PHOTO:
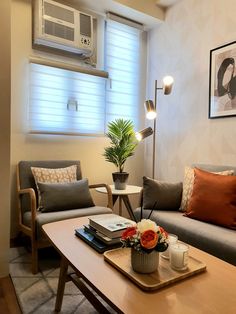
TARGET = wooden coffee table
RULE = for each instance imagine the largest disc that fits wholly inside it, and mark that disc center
(211, 292)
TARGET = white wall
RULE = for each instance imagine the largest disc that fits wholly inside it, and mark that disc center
(24, 146)
(5, 98)
(181, 47)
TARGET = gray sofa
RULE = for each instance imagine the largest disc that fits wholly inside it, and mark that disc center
(216, 240)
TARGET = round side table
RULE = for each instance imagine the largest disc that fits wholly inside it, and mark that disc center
(122, 195)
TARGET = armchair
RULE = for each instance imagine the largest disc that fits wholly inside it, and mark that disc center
(31, 219)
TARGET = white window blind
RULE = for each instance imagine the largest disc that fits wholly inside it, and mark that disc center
(66, 102)
(122, 58)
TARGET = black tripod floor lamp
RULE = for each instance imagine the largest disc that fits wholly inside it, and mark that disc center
(151, 114)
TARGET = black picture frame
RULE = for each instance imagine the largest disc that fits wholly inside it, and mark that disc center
(222, 81)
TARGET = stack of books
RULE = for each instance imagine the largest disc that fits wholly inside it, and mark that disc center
(104, 231)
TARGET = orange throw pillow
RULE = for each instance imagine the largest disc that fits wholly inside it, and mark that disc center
(213, 199)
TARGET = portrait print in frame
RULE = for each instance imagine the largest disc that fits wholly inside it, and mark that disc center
(222, 90)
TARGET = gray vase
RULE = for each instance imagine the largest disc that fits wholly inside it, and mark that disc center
(144, 263)
(120, 180)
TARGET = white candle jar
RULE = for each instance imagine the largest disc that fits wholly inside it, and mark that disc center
(179, 256)
(172, 239)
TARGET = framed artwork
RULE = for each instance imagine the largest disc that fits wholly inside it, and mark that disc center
(222, 90)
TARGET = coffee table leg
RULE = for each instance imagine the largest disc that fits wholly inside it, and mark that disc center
(114, 198)
(120, 206)
(61, 284)
(128, 206)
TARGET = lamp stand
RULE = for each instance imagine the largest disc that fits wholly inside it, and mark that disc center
(168, 82)
(154, 135)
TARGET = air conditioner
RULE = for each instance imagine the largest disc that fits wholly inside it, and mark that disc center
(62, 27)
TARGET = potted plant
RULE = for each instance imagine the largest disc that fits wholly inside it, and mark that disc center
(122, 145)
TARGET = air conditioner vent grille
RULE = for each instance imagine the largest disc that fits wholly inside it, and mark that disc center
(59, 30)
(58, 12)
(85, 25)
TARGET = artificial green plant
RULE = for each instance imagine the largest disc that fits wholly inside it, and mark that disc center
(122, 142)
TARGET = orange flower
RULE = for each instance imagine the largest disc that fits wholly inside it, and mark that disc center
(128, 233)
(149, 239)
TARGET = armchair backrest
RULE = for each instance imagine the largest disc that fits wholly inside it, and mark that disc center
(26, 178)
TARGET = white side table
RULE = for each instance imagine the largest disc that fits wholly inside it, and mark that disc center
(123, 196)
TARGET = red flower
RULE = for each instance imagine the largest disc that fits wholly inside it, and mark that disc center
(163, 231)
(128, 233)
(149, 239)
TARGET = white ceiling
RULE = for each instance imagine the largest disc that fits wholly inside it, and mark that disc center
(104, 6)
(166, 3)
(148, 12)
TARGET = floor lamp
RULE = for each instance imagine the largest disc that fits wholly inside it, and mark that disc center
(151, 114)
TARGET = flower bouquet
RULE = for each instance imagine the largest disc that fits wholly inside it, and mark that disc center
(145, 237)
(146, 240)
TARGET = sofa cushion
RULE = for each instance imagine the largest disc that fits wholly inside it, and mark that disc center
(64, 196)
(189, 180)
(43, 218)
(26, 178)
(162, 195)
(53, 175)
(67, 174)
(216, 240)
(213, 199)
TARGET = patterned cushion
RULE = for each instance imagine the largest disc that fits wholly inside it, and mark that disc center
(188, 185)
(59, 175)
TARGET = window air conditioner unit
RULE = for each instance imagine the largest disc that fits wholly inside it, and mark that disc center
(62, 27)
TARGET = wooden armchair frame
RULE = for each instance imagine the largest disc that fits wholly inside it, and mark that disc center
(31, 231)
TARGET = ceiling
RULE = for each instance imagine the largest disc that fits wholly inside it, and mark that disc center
(150, 13)
(142, 11)
(166, 3)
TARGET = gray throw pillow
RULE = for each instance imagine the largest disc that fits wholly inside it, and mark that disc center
(167, 196)
(64, 196)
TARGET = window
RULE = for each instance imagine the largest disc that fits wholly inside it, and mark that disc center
(68, 102)
(122, 58)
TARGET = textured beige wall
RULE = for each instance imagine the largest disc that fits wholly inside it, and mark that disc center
(5, 103)
(24, 146)
(181, 47)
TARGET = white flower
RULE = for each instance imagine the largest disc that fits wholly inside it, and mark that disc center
(146, 224)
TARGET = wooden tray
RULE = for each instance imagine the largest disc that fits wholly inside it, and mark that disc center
(164, 276)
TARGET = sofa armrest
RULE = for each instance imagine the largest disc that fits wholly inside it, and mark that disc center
(108, 189)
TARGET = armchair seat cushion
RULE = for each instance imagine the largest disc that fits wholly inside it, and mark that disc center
(44, 218)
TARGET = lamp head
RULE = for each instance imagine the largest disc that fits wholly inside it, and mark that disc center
(167, 84)
(143, 133)
(150, 110)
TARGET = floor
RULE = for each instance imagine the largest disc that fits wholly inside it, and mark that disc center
(37, 293)
(8, 300)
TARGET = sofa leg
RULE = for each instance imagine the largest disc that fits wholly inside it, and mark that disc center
(34, 260)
